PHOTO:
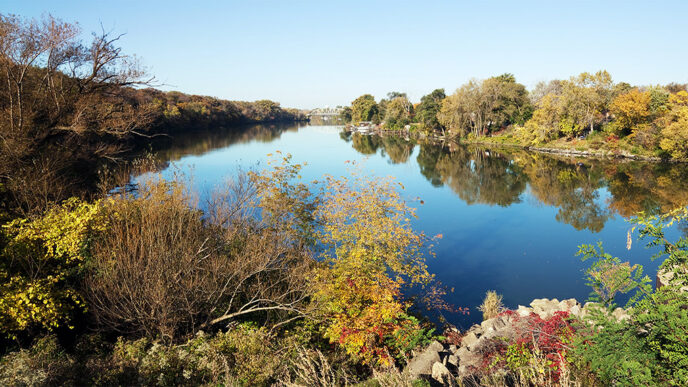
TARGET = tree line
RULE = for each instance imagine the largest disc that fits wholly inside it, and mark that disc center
(589, 107)
(69, 107)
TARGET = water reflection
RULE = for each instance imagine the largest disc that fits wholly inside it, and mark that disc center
(574, 186)
(586, 192)
(198, 142)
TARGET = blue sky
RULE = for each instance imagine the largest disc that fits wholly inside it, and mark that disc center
(314, 53)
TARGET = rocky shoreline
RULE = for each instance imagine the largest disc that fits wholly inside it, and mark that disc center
(445, 364)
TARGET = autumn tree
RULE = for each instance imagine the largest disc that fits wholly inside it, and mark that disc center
(631, 109)
(398, 112)
(62, 101)
(675, 134)
(586, 99)
(480, 107)
(364, 108)
(372, 254)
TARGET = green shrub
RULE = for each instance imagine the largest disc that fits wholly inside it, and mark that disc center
(649, 348)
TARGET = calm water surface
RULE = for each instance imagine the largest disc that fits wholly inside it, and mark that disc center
(511, 221)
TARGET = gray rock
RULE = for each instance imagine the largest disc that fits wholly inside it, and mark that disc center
(575, 310)
(621, 314)
(435, 346)
(463, 353)
(499, 323)
(524, 311)
(421, 363)
(568, 304)
(442, 375)
(468, 340)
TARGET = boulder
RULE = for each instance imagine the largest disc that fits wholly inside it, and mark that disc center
(468, 340)
(621, 314)
(435, 346)
(524, 311)
(545, 308)
(575, 310)
(567, 304)
(421, 364)
(442, 375)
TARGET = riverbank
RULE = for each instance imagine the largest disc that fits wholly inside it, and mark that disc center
(571, 148)
(589, 148)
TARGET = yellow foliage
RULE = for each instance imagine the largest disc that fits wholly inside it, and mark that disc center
(41, 257)
(631, 108)
(371, 253)
(675, 135)
(679, 99)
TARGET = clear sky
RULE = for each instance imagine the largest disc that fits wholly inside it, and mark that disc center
(314, 53)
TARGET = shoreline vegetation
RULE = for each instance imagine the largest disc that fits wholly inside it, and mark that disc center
(273, 281)
(586, 115)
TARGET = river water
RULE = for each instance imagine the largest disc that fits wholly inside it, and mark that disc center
(511, 220)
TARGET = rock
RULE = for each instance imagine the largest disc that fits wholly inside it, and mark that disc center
(663, 278)
(442, 375)
(524, 311)
(453, 360)
(621, 314)
(499, 323)
(421, 364)
(545, 308)
(435, 346)
(462, 353)
(575, 310)
(568, 304)
(453, 348)
(468, 340)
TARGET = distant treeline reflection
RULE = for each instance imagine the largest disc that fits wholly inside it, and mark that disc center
(494, 176)
(500, 177)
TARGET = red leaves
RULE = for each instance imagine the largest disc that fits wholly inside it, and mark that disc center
(533, 334)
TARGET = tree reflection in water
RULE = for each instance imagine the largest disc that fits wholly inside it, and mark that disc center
(500, 176)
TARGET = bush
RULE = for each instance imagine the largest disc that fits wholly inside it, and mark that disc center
(535, 354)
(372, 252)
(41, 267)
(244, 355)
(492, 305)
(44, 363)
(650, 347)
(164, 269)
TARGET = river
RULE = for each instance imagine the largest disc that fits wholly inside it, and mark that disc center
(511, 220)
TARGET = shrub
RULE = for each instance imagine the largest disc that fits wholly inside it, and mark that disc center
(44, 363)
(372, 252)
(42, 264)
(537, 350)
(492, 305)
(650, 347)
(243, 355)
(164, 270)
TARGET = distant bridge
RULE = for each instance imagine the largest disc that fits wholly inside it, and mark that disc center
(325, 112)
